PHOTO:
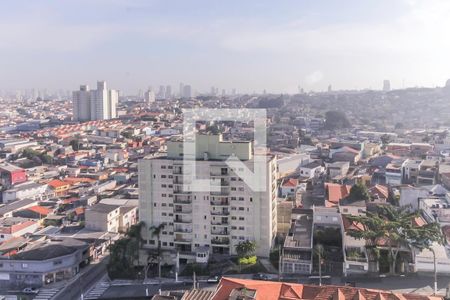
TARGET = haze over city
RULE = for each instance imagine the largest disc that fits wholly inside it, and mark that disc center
(225, 150)
(247, 45)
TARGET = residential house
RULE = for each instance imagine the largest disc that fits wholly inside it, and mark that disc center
(103, 217)
(59, 187)
(14, 226)
(337, 170)
(289, 187)
(297, 251)
(240, 289)
(335, 192)
(30, 190)
(312, 170)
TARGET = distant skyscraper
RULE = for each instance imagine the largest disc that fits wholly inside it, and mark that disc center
(161, 93)
(187, 91)
(223, 92)
(233, 92)
(99, 104)
(168, 94)
(181, 90)
(213, 91)
(330, 89)
(149, 96)
(386, 85)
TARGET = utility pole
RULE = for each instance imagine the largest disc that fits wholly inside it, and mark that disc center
(435, 272)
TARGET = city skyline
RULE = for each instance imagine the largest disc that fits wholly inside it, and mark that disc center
(134, 44)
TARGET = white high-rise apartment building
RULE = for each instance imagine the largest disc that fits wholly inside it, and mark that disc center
(99, 104)
(216, 221)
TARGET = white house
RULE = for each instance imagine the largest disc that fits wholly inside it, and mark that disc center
(312, 170)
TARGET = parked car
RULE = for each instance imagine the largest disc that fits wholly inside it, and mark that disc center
(30, 290)
(213, 279)
(260, 276)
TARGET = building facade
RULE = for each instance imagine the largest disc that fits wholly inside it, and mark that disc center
(99, 104)
(218, 220)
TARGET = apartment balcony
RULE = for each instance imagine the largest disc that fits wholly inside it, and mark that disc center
(182, 211)
(220, 213)
(220, 232)
(220, 223)
(219, 182)
(181, 180)
(181, 230)
(219, 202)
(222, 192)
(180, 191)
(183, 240)
(181, 171)
(220, 241)
(178, 200)
(182, 221)
(219, 173)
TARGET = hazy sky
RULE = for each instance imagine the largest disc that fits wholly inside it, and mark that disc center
(245, 44)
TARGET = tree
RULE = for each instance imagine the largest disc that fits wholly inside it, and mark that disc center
(245, 249)
(319, 251)
(156, 231)
(124, 253)
(336, 120)
(75, 144)
(396, 228)
(385, 139)
(359, 192)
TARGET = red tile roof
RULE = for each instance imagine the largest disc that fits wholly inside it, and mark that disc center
(40, 210)
(351, 225)
(56, 183)
(271, 290)
(380, 190)
(336, 192)
(291, 182)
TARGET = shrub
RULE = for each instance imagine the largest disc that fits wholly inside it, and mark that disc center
(249, 260)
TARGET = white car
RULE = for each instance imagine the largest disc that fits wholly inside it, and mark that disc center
(30, 290)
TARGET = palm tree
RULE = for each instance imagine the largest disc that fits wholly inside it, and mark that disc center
(396, 228)
(246, 248)
(156, 231)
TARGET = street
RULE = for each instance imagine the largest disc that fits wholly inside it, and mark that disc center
(84, 281)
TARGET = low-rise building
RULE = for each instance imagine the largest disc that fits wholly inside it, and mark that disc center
(297, 252)
(43, 262)
(103, 217)
(15, 226)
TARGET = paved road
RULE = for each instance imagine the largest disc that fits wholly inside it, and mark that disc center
(83, 282)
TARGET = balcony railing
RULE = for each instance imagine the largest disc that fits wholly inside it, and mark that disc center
(182, 230)
(182, 201)
(219, 203)
(183, 221)
(219, 232)
(220, 223)
(223, 241)
(181, 211)
(220, 213)
(182, 240)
